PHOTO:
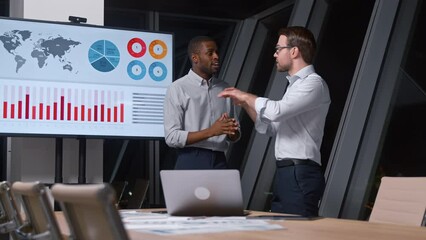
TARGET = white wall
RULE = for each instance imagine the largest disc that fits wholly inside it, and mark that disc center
(59, 10)
(33, 159)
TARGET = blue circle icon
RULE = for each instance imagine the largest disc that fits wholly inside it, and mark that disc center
(157, 71)
(136, 70)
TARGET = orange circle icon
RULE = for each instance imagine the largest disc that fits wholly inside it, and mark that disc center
(158, 49)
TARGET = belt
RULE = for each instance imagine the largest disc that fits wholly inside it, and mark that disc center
(286, 162)
(189, 149)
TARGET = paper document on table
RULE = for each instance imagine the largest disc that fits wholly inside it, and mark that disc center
(136, 216)
(188, 225)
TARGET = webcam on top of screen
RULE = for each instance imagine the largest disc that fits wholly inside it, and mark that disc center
(75, 19)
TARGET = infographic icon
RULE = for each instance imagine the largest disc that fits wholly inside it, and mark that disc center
(158, 49)
(136, 47)
(136, 70)
(104, 56)
(157, 71)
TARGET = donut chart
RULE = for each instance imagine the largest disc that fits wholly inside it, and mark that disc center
(158, 49)
(157, 71)
(136, 47)
(104, 56)
(136, 70)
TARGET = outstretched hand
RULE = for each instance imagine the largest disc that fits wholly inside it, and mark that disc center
(243, 99)
(235, 94)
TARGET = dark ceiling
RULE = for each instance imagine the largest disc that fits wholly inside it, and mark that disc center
(231, 9)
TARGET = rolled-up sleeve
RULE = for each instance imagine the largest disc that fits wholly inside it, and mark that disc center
(174, 134)
(298, 99)
(261, 124)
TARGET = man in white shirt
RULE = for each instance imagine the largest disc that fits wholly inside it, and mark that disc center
(196, 121)
(297, 122)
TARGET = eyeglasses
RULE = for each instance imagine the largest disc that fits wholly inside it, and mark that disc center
(278, 48)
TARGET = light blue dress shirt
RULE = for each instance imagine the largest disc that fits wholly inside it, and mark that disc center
(193, 105)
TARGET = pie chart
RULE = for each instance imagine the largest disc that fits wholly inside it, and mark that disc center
(104, 56)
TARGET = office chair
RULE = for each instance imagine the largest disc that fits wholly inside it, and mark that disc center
(138, 194)
(39, 221)
(120, 188)
(10, 220)
(90, 211)
(400, 200)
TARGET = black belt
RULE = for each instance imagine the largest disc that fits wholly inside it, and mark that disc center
(189, 149)
(294, 161)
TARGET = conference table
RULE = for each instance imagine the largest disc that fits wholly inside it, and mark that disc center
(318, 229)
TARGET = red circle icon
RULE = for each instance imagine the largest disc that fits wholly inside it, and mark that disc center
(136, 47)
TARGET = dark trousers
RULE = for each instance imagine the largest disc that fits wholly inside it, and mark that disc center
(200, 158)
(297, 189)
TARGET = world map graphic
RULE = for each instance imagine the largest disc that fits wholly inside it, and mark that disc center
(22, 45)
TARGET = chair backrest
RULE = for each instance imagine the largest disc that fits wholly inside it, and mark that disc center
(400, 200)
(90, 211)
(10, 220)
(39, 221)
(138, 194)
(120, 188)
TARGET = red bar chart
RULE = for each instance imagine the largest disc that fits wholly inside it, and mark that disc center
(66, 104)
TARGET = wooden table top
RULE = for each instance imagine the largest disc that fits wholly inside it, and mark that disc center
(318, 229)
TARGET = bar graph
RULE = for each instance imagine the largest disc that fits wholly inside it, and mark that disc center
(64, 104)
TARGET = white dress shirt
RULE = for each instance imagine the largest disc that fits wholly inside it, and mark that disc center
(297, 120)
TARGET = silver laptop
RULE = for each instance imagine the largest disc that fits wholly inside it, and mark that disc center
(202, 192)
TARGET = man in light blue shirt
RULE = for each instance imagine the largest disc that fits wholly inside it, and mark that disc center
(297, 122)
(196, 121)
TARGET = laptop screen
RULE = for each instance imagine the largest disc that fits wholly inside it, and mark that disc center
(202, 192)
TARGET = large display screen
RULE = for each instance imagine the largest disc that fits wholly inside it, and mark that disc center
(81, 80)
